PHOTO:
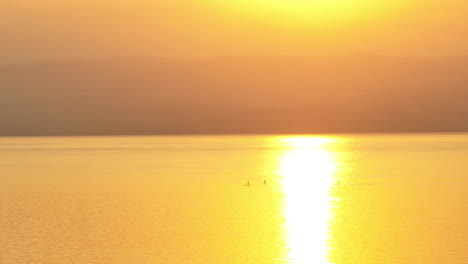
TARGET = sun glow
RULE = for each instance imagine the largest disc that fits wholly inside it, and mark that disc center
(322, 13)
(307, 5)
(308, 170)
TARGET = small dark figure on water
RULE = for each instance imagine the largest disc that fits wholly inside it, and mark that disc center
(248, 183)
(264, 181)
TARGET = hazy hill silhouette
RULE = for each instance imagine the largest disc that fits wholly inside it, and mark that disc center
(285, 94)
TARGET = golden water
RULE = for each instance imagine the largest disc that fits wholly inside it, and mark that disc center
(327, 199)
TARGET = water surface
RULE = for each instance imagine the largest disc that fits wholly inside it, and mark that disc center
(327, 199)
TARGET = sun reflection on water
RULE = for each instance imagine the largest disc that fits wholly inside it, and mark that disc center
(307, 168)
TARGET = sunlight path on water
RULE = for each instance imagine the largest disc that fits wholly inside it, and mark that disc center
(307, 169)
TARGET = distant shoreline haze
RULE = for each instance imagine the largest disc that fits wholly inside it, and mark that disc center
(236, 95)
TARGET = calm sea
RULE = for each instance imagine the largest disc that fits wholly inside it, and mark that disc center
(364, 199)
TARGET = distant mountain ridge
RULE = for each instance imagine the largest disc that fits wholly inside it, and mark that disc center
(282, 94)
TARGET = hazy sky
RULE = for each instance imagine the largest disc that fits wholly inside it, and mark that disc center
(46, 29)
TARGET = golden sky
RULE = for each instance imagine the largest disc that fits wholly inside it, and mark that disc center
(46, 29)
